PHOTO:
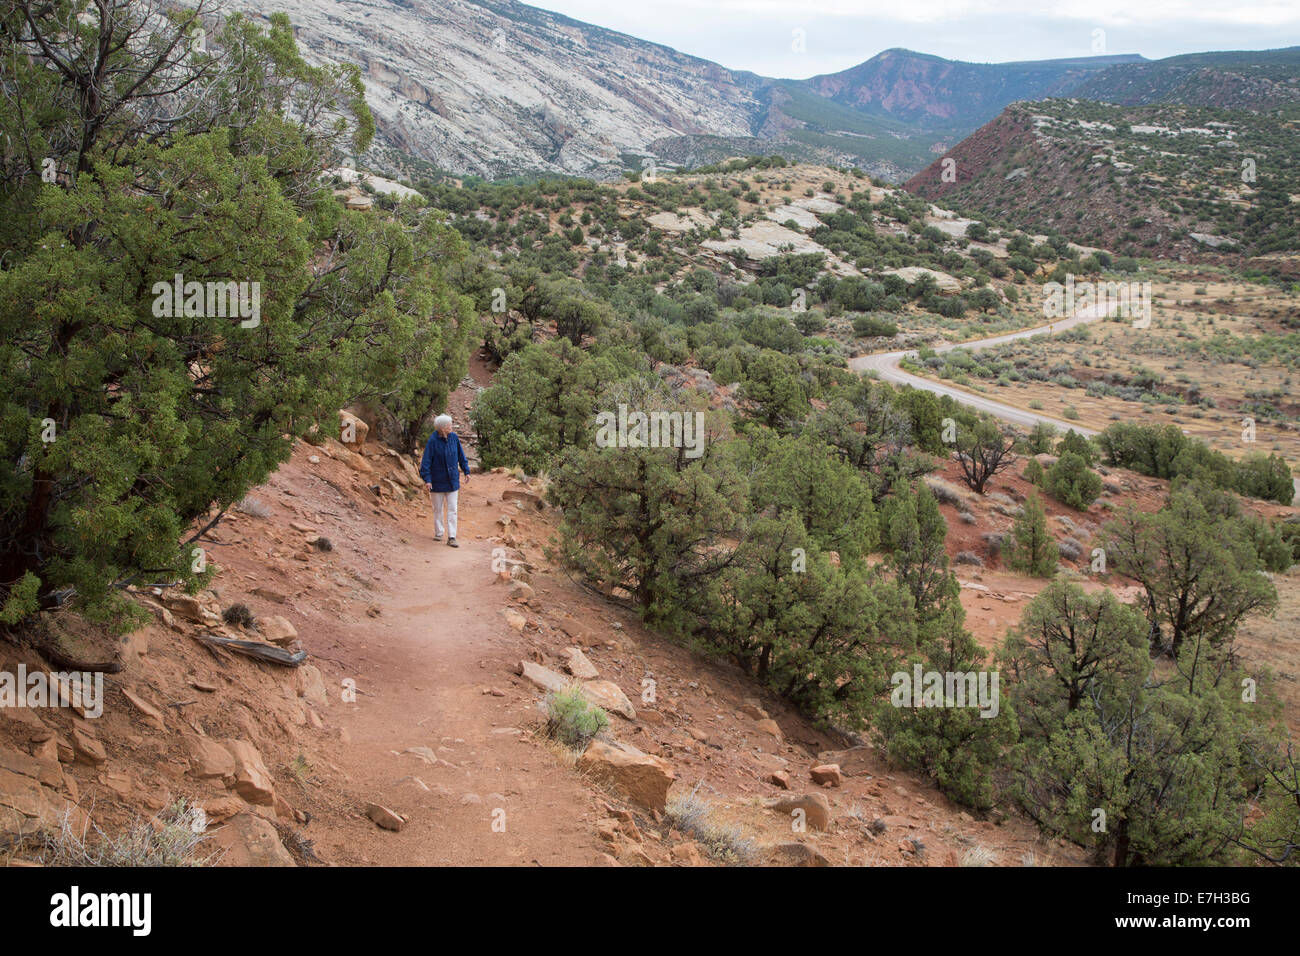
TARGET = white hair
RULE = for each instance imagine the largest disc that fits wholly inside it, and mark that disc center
(442, 420)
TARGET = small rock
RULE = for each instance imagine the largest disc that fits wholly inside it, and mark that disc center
(384, 818)
(827, 775)
(578, 664)
(86, 748)
(778, 778)
(609, 696)
(795, 853)
(150, 713)
(688, 853)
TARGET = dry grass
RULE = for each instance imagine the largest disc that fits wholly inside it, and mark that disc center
(693, 815)
(173, 837)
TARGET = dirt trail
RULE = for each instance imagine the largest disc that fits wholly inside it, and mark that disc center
(422, 672)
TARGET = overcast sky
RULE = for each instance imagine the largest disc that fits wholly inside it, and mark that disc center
(762, 35)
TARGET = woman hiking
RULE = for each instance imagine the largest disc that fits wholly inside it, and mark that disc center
(443, 461)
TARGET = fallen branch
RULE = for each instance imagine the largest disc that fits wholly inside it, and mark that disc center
(264, 652)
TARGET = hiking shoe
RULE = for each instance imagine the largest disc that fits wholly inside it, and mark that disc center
(451, 542)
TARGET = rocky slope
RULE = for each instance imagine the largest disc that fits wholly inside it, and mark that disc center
(1253, 80)
(1179, 182)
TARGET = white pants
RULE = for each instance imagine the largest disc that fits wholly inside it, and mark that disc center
(447, 499)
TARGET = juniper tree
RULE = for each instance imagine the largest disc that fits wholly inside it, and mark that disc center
(1066, 645)
(957, 746)
(913, 533)
(1031, 550)
(646, 520)
(804, 476)
(1148, 770)
(982, 453)
(823, 635)
(1071, 482)
(124, 419)
(1197, 564)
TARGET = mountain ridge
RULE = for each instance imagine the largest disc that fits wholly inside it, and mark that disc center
(496, 88)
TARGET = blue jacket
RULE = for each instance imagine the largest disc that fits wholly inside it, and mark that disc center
(441, 458)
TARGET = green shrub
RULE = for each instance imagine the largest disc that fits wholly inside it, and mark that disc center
(1071, 482)
(1034, 472)
(571, 719)
(1265, 476)
(1031, 549)
(1081, 446)
(868, 325)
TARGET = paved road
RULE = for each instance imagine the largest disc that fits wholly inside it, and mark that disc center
(885, 365)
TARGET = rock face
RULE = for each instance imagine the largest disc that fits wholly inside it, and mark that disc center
(642, 778)
(252, 781)
(498, 88)
(951, 96)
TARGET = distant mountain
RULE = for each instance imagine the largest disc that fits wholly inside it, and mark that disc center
(948, 96)
(496, 88)
(1253, 80)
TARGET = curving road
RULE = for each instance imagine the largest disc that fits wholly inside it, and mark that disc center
(885, 365)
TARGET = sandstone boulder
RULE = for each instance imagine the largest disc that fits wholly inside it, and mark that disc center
(642, 778)
(352, 430)
(827, 775)
(209, 760)
(249, 840)
(278, 630)
(609, 696)
(577, 664)
(384, 818)
(816, 809)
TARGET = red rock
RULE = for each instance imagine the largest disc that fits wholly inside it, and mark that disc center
(644, 779)
(827, 775)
